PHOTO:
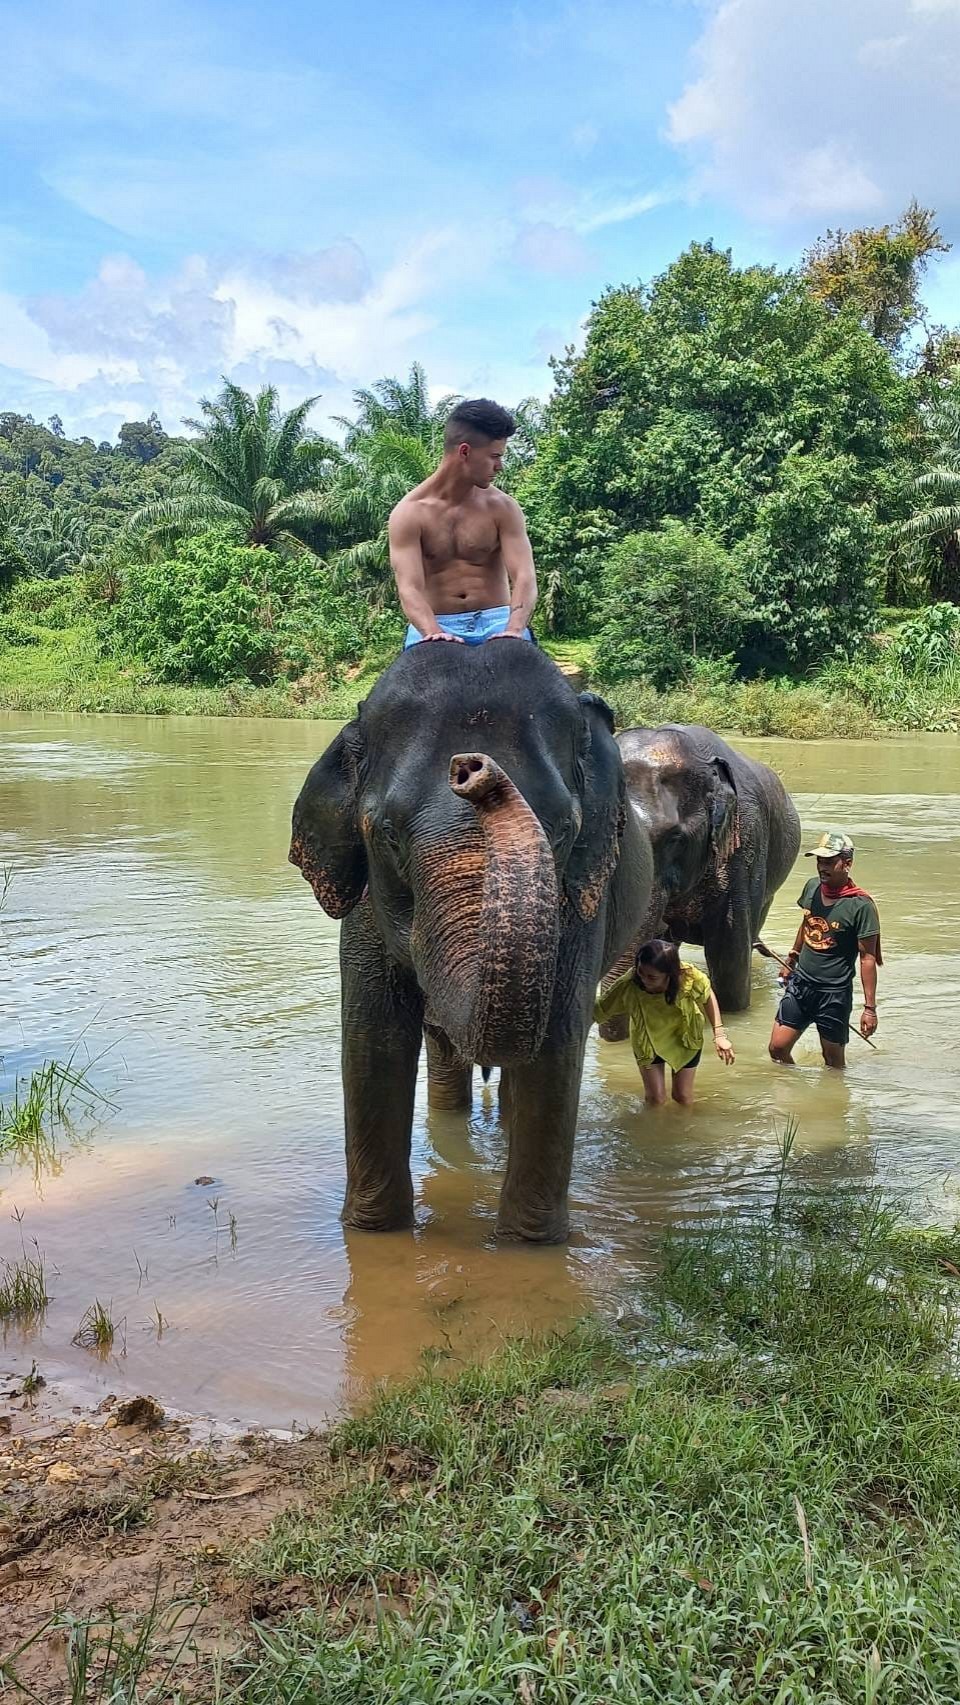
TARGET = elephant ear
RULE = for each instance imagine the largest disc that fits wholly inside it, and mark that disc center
(326, 842)
(724, 815)
(596, 851)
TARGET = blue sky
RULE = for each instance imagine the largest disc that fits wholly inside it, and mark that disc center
(317, 195)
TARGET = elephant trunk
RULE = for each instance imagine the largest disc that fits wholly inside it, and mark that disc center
(487, 920)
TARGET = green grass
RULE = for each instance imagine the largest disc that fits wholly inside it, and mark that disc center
(23, 1288)
(64, 671)
(751, 1494)
(43, 1107)
(755, 1500)
(97, 1329)
(753, 708)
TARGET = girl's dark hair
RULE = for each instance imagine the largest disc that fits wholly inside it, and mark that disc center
(660, 956)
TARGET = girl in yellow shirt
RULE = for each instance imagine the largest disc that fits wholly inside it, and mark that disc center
(666, 1002)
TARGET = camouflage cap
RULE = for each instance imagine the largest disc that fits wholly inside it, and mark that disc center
(833, 843)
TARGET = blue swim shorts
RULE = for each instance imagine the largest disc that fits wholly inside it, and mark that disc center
(474, 626)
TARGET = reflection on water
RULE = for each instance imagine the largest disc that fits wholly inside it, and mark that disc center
(152, 908)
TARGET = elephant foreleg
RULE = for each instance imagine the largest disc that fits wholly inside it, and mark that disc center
(382, 1030)
(728, 946)
(449, 1078)
(539, 1103)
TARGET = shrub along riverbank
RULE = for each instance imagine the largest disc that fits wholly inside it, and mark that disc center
(54, 658)
(750, 1491)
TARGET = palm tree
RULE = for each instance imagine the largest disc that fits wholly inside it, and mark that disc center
(252, 467)
(14, 562)
(59, 544)
(365, 487)
(399, 407)
(394, 442)
(934, 529)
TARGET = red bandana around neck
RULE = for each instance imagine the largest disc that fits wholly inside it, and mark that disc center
(849, 891)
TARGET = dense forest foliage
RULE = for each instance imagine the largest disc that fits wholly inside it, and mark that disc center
(736, 474)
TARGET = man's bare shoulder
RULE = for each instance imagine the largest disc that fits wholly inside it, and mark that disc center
(410, 508)
(503, 506)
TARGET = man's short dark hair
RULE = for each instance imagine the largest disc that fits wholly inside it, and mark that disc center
(477, 422)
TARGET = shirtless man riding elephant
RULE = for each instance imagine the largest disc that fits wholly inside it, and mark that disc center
(458, 546)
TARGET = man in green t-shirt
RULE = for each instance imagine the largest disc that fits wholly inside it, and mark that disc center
(840, 928)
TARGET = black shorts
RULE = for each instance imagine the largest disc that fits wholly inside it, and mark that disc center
(694, 1060)
(827, 1005)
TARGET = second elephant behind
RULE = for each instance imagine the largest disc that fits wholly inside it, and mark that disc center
(725, 836)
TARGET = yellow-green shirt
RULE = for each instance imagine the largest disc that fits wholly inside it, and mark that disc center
(674, 1032)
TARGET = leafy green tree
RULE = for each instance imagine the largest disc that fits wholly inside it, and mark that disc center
(939, 354)
(933, 530)
(929, 644)
(699, 397)
(876, 272)
(142, 439)
(252, 468)
(40, 470)
(14, 562)
(217, 611)
(40, 540)
(812, 564)
(669, 598)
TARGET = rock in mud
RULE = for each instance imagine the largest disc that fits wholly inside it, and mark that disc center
(63, 1474)
(139, 1412)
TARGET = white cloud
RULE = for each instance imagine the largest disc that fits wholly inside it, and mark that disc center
(555, 217)
(825, 110)
(549, 248)
(119, 314)
(308, 323)
(883, 50)
(620, 212)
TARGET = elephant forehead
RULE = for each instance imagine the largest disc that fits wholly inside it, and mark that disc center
(661, 754)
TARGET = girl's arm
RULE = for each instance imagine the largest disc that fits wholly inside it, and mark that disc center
(616, 999)
(721, 1040)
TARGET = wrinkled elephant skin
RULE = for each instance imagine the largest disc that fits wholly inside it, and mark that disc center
(725, 836)
(471, 829)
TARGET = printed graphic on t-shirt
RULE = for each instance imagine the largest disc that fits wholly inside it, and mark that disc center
(819, 933)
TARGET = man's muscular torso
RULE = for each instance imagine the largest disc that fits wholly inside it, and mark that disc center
(462, 556)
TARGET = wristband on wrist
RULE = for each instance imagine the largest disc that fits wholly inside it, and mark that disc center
(867, 1008)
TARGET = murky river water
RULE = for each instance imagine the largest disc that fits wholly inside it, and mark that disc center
(152, 912)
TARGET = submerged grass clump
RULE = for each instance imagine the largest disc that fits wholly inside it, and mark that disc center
(43, 1106)
(97, 1329)
(756, 1499)
(23, 1287)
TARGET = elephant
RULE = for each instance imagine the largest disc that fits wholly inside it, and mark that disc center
(725, 836)
(470, 828)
